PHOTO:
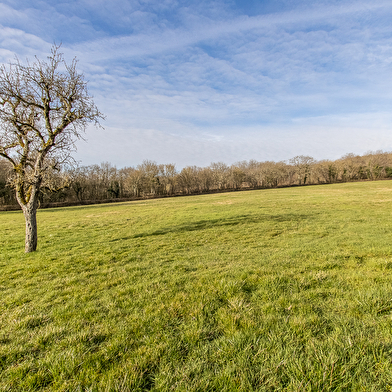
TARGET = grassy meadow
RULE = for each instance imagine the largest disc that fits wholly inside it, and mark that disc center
(273, 290)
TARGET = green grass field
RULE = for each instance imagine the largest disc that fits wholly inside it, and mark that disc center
(284, 289)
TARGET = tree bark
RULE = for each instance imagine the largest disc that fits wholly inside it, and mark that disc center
(30, 214)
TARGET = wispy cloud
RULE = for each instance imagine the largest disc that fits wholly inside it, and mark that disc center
(197, 82)
(160, 39)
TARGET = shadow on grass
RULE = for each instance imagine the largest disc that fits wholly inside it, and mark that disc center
(227, 222)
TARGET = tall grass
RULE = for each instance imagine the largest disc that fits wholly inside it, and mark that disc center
(272, 290)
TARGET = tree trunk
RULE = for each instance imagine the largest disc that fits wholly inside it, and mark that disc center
(30, 214)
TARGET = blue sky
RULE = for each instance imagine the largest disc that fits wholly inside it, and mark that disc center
(195, 82)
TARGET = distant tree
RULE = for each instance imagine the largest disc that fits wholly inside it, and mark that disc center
(79, 179)
(206, 179)
(352, 167)
(221, 174)
(44, 107)
(55, 183)
(254, 174)
(303, 165)
(268, 174)
(326, 171)
(5, 191)
(376, 162)
(133, 181)
(109, 181)
(167, 174)
(188, 179)
(237, 175)
(150, 177)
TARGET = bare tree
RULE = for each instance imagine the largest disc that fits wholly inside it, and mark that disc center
(303, 165)
(167, 174)
(55, 183)
(188, 179)
(206, 179)
(237, 175)
(325, 171)
(221, 174)
(6, 193)
(150, 171)
(254, 174)
(44, 107)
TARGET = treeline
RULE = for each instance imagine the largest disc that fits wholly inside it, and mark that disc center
(103, 182)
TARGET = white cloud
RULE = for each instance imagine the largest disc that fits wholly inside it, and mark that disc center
(322, 138)
(158, 39)
(15, 42)
(199, 83)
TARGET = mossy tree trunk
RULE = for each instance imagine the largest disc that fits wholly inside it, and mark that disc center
(30, 215)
